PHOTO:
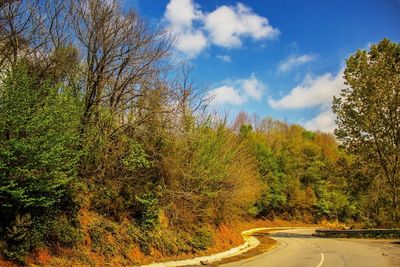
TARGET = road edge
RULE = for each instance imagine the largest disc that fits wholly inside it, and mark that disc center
(250, 242)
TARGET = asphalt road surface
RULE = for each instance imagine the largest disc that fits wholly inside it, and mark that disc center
(299, 248)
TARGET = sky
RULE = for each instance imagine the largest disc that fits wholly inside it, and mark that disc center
(278, 58)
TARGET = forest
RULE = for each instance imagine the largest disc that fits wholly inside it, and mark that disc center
(107, 143)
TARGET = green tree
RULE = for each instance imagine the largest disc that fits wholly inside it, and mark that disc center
(368, 115)
(38, 146)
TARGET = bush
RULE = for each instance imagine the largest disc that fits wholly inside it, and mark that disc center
(64, 233)
(136, 158)
(107, 201)
(17, 238)
(147, 210)
(202, 239)
(209, 176)
(99, 234)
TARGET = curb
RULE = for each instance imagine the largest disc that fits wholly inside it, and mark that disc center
(250, 242)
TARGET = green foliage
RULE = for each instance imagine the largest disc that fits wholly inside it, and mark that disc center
(26, 233)
(99, 233)
(63, 232)
(301, 173)
(109, 202)
(38, 153)
(17, 238)
(245, 130)
(136, 157)
(202, 238)
(39, 129)
(147, 210)
(368, 119)
(210, 176)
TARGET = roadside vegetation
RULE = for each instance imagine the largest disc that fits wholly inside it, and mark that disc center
(108, 152)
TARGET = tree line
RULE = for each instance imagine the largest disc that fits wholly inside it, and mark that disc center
(95, 118)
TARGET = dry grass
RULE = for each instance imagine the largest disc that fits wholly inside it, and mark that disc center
(266, 244)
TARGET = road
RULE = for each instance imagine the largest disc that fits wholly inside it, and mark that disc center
(299, 248)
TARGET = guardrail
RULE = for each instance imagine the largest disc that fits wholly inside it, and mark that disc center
(361, 233)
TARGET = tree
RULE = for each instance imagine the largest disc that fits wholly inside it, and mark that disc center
(122, 59)
(38, 141)
(368, 115)
(39, 137)
(121, 53)
(32, 29)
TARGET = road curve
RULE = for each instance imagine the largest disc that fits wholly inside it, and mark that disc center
(299, 248)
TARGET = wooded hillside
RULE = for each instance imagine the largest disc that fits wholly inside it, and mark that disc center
(106, 144)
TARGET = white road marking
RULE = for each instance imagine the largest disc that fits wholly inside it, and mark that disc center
(300, 240)
(322, 260)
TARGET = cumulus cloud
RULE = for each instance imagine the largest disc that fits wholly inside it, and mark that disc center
(227, 95)
(253, 87)
(324, 121)
(225, 58)
(226, 26)
(314, 92)
(294, 61)
(191, 43)
(238, 92)
(181, 15)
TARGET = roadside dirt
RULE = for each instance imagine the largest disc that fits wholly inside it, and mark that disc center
(266, 244)
(226, 236)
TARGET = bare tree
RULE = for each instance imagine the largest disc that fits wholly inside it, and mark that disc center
(37, 31)
(188, 97)
(18, 30)
(120, 52)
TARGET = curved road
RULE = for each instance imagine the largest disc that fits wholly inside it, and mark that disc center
(299, 248)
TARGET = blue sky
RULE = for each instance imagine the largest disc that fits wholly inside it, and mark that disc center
(279, 58)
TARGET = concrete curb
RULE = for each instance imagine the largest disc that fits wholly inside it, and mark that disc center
(250, 242)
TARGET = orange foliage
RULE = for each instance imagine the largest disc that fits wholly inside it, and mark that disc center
(4, 263)
(135, 254)
(43, 256)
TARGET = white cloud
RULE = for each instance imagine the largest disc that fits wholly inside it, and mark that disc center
(226, 26)
(293, 61)
(312, 92)
(225, 58)
(227, 95)
(182, 13)
(191, 43)
(324, 121)
(238, 92)
(253, 87)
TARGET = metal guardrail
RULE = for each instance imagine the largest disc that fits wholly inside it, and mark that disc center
(374, 233)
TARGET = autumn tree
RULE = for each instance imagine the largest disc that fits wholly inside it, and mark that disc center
(368, 116)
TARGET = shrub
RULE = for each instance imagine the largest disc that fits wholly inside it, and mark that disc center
(99, 234)
(136, 157)
(63, 232)
(202, 239)
(209, 176)
(147, 210)
(17, 238)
